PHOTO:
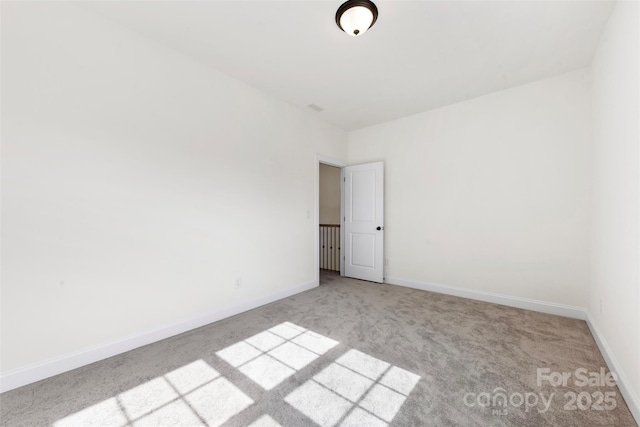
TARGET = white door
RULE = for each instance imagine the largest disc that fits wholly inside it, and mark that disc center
(364, 221)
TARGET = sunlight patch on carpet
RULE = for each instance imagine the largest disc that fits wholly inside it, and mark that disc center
(272, 356)
(357, 389)
(191, 395)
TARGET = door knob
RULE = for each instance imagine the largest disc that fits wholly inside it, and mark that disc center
(378, 228)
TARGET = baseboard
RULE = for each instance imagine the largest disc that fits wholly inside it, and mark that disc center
(39, 371)
(511, 301)
(630, 396)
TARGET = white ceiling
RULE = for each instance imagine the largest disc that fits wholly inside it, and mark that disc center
(419, 55)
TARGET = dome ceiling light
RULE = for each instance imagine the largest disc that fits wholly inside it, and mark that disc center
(355, 17)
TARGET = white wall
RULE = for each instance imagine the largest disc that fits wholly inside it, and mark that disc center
(490, 194)
(614, 297)
(137, 185)
(329, 194)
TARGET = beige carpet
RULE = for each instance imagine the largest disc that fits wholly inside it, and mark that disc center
(348, 353)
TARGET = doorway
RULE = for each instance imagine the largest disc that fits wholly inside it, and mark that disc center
(330, 211)
(350, 220)
(330, 205)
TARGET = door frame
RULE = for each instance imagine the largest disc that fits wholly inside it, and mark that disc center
(338, 164)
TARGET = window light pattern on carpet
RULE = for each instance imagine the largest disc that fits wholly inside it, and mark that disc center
(356, 389)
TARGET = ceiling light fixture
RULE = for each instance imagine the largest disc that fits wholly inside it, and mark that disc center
(355, 17)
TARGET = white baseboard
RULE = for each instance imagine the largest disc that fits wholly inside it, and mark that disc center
(39, 371)
(527, 304)
(630, 397)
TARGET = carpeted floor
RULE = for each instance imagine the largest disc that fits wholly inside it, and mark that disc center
(346, 353)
